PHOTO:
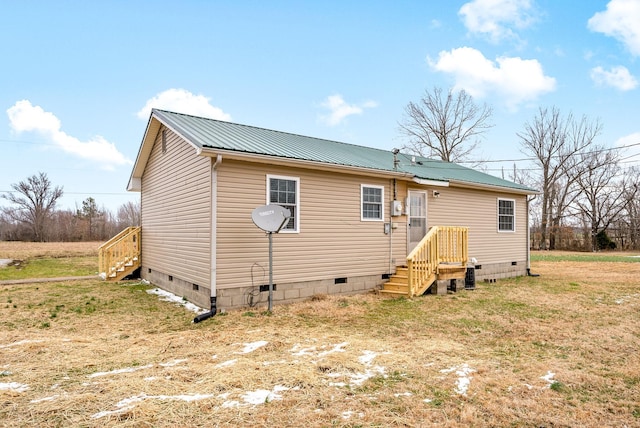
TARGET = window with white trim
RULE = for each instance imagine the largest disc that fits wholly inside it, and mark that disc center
(371, 203)
(284, 191)
(506, 215)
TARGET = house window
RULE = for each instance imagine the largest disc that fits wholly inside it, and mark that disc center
(371, 198)
(506, 215)
(284, 191)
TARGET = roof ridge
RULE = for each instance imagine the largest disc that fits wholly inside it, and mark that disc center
(268, 129)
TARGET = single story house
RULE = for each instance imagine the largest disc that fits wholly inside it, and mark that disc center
(357, 212)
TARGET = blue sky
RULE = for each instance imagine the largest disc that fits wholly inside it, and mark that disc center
(78, 78)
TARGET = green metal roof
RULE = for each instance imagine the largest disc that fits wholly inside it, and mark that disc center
(215, 134)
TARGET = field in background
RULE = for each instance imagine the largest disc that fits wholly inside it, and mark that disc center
(24, 250)
(561, 349)
(48, 259)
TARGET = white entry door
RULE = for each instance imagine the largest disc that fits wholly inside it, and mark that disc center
(417, 218)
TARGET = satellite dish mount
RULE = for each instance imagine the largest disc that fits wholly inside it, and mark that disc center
(271, 219)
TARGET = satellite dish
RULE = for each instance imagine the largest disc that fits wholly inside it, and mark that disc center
(270, 218)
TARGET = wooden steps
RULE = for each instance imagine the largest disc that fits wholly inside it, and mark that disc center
(398, 284)
(120, 256)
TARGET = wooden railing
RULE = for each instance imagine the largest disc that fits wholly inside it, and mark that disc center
(442, 244)
(120, 255)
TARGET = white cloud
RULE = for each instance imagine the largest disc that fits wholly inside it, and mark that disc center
(340, 110)
(618, 77)
(621, 21)
(515, 79)
(183, 101)
(631, 153)
(494, 18)
(25, 117)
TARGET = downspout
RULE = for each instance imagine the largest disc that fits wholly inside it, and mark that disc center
(529, 240)
(214, 215)
(396, 162)
(393, 183)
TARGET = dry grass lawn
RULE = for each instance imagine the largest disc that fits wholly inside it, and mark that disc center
(28, 250)
(560, 350)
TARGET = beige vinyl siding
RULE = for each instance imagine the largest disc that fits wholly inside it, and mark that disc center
(176, 211)
(478, 210)
(332, 241)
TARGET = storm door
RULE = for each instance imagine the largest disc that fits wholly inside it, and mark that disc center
(417, 218)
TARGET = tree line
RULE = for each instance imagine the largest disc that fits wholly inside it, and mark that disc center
(32, 215)
(589, 200)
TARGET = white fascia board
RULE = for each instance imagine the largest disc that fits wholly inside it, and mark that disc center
(135, 184)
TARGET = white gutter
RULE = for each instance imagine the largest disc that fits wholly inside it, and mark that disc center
(435, 183)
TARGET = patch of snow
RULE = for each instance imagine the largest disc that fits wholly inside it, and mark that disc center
(549, 378)
(427, 400)
(20, 342)
(297, 351)
(464, 380)
(172, 363)
(145, 282)
(403, 394)
(120, 371)
(367, 357)
(336, 348)
(170, 297)
(103, 276)
(270, 363)
(349, 413)
(260, 396)
(5, 262)
(250, 347)
(129, 403)
(625, 299)
(40, 400)
(225, 364)
(13, 386)
(232, 403)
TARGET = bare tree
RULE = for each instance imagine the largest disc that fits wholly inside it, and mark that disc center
(631, 218)
(34, 199)
(554, 141)
(603, 197)
(129, 214)
(444, 125)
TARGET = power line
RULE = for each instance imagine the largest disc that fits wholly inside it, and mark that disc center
(534, 159)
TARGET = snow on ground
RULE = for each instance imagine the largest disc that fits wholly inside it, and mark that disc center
(307, 354)
(625, 299)
(129, 403)
(358, 378)
(549, 378)
(170, 297)
(250, 347)
(120, 371)
(464, 380)
(227, 363)
(21, 342)
(13, 386)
